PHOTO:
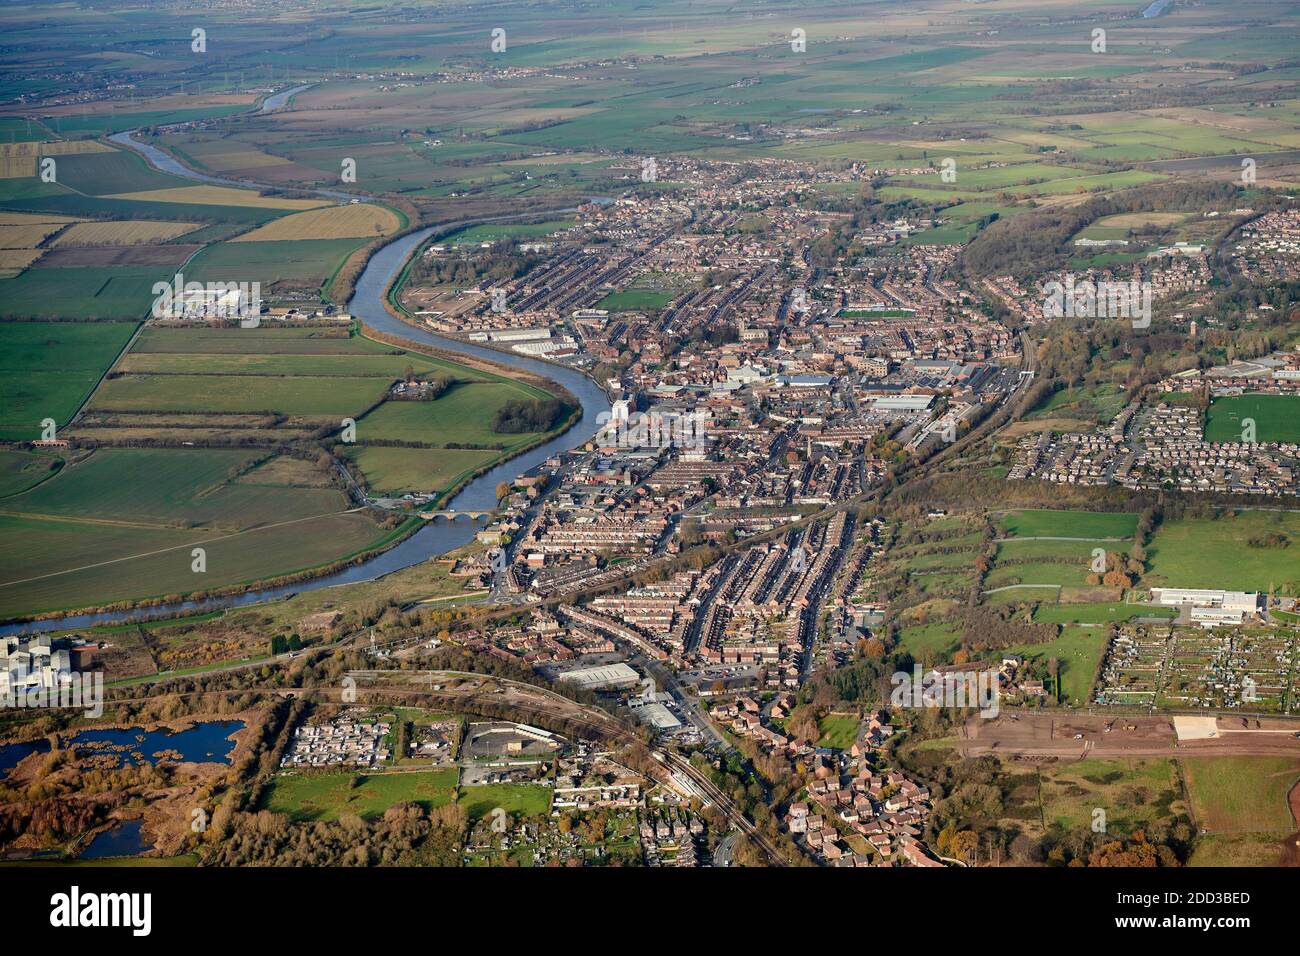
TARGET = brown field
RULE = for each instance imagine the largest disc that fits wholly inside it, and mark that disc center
(219, 196)
(228, 155)
(1053, 735)
(99, 256)
(180, 101)
(27, 218)
(76, 147)
(13, 261)
(16, 150)
(26, 236)
(1017, 430)
(17, 167)
(126, 233)
(1135, 220)
(175, 436)
(336, 222)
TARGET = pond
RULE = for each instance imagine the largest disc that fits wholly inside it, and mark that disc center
(11, 755)
(125, 839)
(207, 742)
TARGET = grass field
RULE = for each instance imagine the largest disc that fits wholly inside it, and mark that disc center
(123, 522)
(1069, 524)
(118, 171)
(47, 369)
(396, 470)
(838, 730)
(1079, 651)
(20, 469)
(1064, 561)
(329, 795)
(1242, 794)
(528, 800)
(321, 397)
(285, 265)
(462, 414)
(117, 292)
(1132, 793)
(930, 642)
(635, 300)
(1098, 613)
(1242, 849)
(1276, 418)
(1210, 553)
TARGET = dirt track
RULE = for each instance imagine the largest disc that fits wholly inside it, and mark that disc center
(1073, 736)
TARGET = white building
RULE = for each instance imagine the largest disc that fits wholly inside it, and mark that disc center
(1246, 602)
(27, 663)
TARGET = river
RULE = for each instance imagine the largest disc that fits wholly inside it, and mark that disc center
(435, 538)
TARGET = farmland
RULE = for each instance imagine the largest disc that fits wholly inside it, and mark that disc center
(47, 369)
(126, 518)
(20, 470)
(210, 378)
(295, 265)
(333, 222)
(125, 521)
(128, 233)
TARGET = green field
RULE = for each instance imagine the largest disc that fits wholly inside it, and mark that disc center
(1132, 793)
(1240, 849)
(20, 470)
(473, 235)
(930, 642)
(47, 369)
(635, 300)
(119, 292)
(516, 799)
(122, 523)
(1069, 524)
(1276, 418)
(839, 730)
(1099, 403)
(1209, 553)
(264, 341)
(461, 415)
(1242, 794)
(1098, 613)
(1079, 651)
(121, 171)
(328, 795)
(395, 471)
(289, 265)
(311, 396)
